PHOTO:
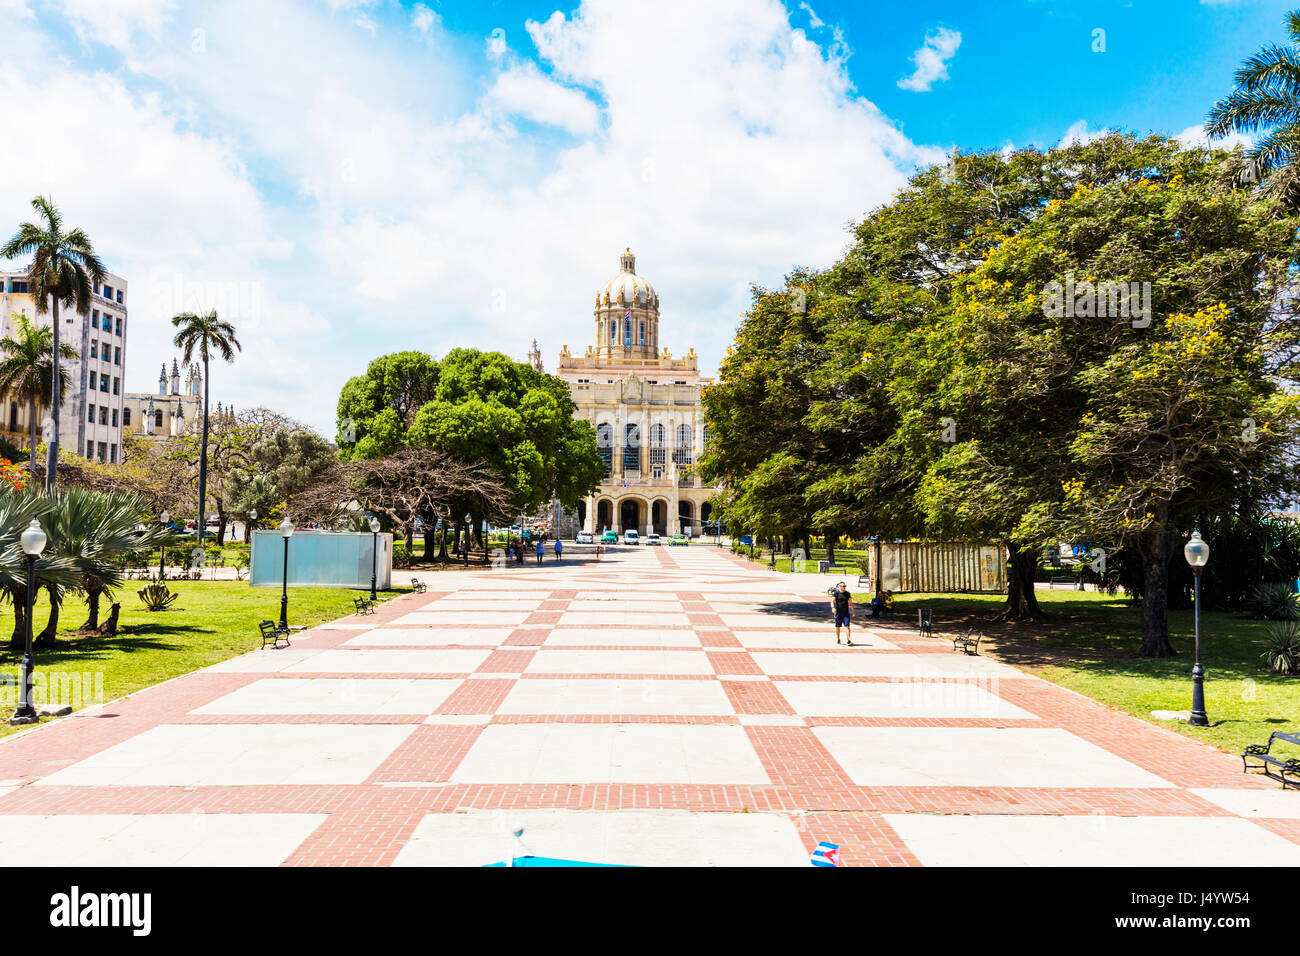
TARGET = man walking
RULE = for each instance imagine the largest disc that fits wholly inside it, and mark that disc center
(842, 609)
(559, 549)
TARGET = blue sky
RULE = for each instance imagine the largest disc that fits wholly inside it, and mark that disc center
(344, 178)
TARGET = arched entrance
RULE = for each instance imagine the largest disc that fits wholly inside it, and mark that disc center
(603, 518)
(706, 512)
(659, 517)
(686, 515)
(629, 515)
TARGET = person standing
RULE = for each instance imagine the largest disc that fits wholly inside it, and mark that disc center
(540, 551)
(842, 609)
(559, 549)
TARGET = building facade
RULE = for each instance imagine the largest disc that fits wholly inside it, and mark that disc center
(90, 413)
(170, 411)
(646, 408)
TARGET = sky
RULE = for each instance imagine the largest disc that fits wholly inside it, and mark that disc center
(346, 178)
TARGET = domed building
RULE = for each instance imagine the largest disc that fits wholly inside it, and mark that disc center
(646, 409)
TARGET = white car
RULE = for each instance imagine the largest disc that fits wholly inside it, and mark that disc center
(631, 537)
(651, 538)
(585, 537)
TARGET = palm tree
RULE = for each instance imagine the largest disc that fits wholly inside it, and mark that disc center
(204, 334)
(26, 370)
(64, 269)
(52, 571)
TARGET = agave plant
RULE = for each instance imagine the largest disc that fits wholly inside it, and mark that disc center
(1275, 601)
(156, 595)
(92, 530)
(1281, 645)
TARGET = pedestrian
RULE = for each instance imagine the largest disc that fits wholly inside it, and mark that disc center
(540, 551)
(559, 549)
(842, 609)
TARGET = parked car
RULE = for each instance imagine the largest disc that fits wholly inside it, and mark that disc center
(609, 536)
(678, 538)
(631, 537)
(585, 537)
(651, 538)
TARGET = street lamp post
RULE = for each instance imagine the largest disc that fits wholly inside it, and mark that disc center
(251, 524)
(1197, 553)
(165, 519)
(374, 554)
(468, 519)
(286, 532)
(33, 543)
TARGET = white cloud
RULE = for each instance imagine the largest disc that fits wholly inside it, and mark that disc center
(523, 91)
(931, 60)
(1079, 133)
(114, 23)
(423, 19)
(1195, 136)
(814, 21)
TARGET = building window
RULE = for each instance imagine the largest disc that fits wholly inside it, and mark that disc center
(13, 416)
(112, 449)
(126, 418)
(92, 381)
(115, 418)
(108, 322)
(643, 333)
(103, 414)
(605, 442)
(94, 318)
(17, 286)
(632, 449)
(108, 292)
(90, 449)
(117, 356)
(627, 331)
(90, 414)
(119, 295)
(117, 384)
(94, 349)
(682, 454)
(119, 326)
(103, 451)
(613, 332)
(657, 451)
(103, 382)
(157, 419)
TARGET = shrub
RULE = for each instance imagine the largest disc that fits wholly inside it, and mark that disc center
(401, 555)
(1276, 601)
(157, 596)
(1281, 644)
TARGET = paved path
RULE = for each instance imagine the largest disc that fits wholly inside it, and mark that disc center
(665, 706)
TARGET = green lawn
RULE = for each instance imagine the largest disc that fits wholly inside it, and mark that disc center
(1088, 642)
(210, 622)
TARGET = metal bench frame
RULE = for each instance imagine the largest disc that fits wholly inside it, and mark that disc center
(1287, 767)
(364, 605)
(925, 622)
(273, 634)
(968, 643)
(418, 586)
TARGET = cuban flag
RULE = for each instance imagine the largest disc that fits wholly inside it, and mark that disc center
(628, 315)
(826, 854)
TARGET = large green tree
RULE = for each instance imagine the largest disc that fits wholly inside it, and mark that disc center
(27, 369)
(65, 270)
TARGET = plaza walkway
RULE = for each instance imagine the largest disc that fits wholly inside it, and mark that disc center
(669, 706)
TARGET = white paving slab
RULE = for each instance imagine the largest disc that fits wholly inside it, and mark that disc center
(479, 605)
(481, 618)
(633, 838)
(615, 596)
(1275, 804)
(594, 696)
(452, 660)
(615, 618)
(195, 755)
(823, 639)
(902, 699)
(611, 753)
(1100, 840)
(624, 636)
(367, 695)
(174, 839)
(786, 622)
(634, 605)
(266, 660)
(977, 757)
(515, 594)
(550, 661)
(431, 636)
(851, 662)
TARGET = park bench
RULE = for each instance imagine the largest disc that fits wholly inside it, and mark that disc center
(1286, 766)
(925, 622)
(418, 586)
(1069, 580)
(273, 634)
(364, 605)
(969, 643)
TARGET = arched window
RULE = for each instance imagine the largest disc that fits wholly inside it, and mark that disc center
(13, 415)
(658, 459)
(643, 333)
(157, 419)
(683, 456)
(613, 332)
(605, 442)
(627, 331)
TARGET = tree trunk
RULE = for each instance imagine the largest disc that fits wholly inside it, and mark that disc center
(31, 469)
(1022, 601)
(430, 539)
(52, 453)
(110, 626)
(203, 455)
(92, 619)
(221, 527)
(49, 634)
(19, 636)
(830, 548)
(442, 545)
(1155, 597)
